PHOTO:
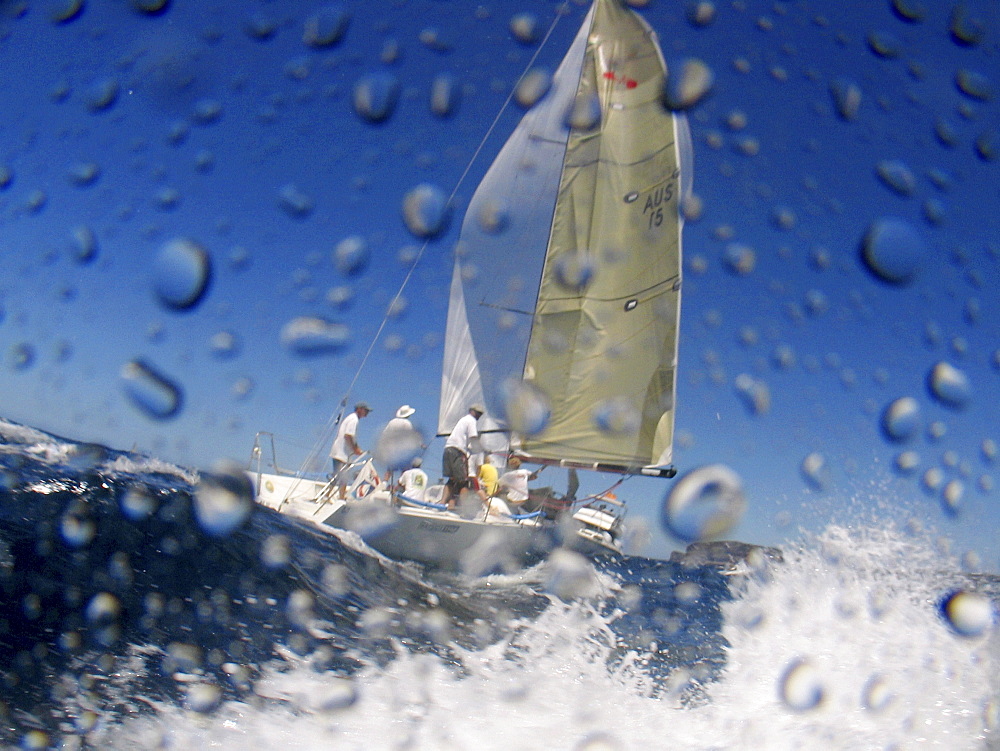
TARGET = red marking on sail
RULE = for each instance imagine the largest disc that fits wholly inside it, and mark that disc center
(629, 83)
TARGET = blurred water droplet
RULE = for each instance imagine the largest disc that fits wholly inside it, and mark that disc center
(307, 336)
(493, 216)
(815, 471)
(182, 272)
(444, 95)
(951, 497)
(66, 11)
(375, 97)
(77, 530)
(202, 697)
(568, 575)
(351, 257)
(20, 356)
(225, 345)
(846, 98)
(295, 202)
(101, 94)
(526, 407)
(84, 174)
(885, 44)
(425, 210)
(800, 687)
(524, 27)
(397, 446)
(970, 614)
(102, 608)
(700, 13)
(6, 177)
(966, 29)
(598, 741)
(687, 83)
(893, 250)
(326, 27)
(912, 11)
(974, 85)
(988, 145)
(949, 385)
(137, 503)
(876, 694)
(153, 393)
(151, 7)
(704, 504)
(575, 270)
(754, 393)
(223, 499)
(616, 416)
(901, 419)
(897, 176)
(534, 85)
(740, 259)
(84, 244)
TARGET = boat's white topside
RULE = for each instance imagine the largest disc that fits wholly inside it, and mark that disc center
(444, 538)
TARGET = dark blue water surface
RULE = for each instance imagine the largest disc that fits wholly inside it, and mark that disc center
(111, 588)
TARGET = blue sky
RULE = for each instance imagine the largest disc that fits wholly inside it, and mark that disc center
(218, 108)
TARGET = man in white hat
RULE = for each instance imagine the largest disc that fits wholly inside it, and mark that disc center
(458, 446)
(399, 442)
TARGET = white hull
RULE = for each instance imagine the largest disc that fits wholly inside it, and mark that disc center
(442, 539)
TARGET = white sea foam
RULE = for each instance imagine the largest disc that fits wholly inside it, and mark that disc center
(842, 647)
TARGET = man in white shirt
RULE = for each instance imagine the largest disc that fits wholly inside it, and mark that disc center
(455, 461)
(399, 442)
(514, 482)
(345, 446)
(413, 482)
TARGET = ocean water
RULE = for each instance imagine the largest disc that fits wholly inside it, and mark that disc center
(127, 621)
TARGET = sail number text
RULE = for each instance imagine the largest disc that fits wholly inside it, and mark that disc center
(656, 201)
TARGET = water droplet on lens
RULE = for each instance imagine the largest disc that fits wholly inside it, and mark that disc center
(84, 244)
(137, 503)
(704, 504)
(800, 687)
(616, 416)
(526, 407)
(740, 259)
(901, 419)
(326, 27)
(444, 95)
(103, 607)
(151, 392)
(102, 94)
(493, 216)
(688, 82)
(295, 202)
(150, 7)
(876, 695)
(524, 27)
(20, 356)
(700, 13)
(84, 174)
(202, 697)
(912, 11)
(949, 385)
(584, 113)
(897, 176)
(974, 85)
(351, 257)
(893, 250)
(815, 471)
(755, 394)
(425, 210)
(885, 45)
(970, 614)
(223, 499)
(532, 87)
(182, 271)
(66, 11)
(575, 270)
(225, 345)
(375, 97)
(846, 98)
(307, 336)
(397, 447)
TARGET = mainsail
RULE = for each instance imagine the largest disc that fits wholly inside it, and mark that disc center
(568, 267)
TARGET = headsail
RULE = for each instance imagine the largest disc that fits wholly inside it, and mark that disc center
(579, 293)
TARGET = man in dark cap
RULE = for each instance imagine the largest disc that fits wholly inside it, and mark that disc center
(345, 446)
(455, 461)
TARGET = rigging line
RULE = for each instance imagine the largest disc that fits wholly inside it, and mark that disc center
(334, 420)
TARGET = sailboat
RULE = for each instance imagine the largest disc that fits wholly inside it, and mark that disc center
(563, 313)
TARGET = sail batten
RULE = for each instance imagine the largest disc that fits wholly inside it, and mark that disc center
(580, 294)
